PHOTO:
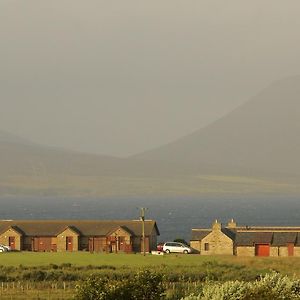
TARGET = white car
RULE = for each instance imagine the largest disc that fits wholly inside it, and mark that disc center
(174, 247)
(4, 248)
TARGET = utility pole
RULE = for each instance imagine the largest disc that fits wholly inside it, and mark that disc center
(142, 217)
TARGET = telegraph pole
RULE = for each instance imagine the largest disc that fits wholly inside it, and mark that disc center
(142, 217)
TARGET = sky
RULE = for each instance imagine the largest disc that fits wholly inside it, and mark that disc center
(122, 77)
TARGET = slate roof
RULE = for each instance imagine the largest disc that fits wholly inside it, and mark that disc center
(251, 238)
(283, 238)
(198, 235)
(229, 233)
(84, 227)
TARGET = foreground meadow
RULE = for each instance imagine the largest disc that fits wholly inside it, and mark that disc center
(29, 275)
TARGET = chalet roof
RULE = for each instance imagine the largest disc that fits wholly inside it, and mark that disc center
(13, 227)
(120, 227)
(84, 227)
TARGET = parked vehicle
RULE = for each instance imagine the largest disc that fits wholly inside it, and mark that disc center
(174, 247)
(8, 248)
(160, 246)
(3, 248)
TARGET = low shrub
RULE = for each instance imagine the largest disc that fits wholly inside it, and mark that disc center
(271, 286)
(144, 285)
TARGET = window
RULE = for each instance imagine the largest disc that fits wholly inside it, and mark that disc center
(206, 246)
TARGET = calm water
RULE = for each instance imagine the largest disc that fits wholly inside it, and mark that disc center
(175, 217)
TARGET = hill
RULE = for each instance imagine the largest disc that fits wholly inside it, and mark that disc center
(252, 150)
(260, 137)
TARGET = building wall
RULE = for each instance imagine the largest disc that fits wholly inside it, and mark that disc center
(297, 251)
(83, 243)
(245, 251)
(218, 244)
(62, 240)
(275, 251)
(119, 241)
(153, 240)
(98, 244)
(137, 244)
(4, 238)
(196, 245)
(27, 243)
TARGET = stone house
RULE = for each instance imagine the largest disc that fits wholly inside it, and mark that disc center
(246, 240)
(75, 235)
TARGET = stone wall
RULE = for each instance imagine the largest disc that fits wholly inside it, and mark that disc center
(62, 240)
(4, 238)
(297, 251)
(274, 251)
(245, 251)
(216, 243)
(196, 245)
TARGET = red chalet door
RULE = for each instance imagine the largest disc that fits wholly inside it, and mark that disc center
(69, 241)
(262, 250)
(12, 242)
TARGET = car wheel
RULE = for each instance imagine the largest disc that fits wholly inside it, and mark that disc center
(167, 251)
(185, 252)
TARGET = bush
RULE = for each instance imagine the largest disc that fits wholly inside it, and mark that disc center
(35, 275)
(271, 286)
(145, 285)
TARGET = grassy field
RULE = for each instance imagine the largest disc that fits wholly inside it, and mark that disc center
(287, 265)
(55, 275)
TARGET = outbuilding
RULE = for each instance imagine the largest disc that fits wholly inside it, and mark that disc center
(246, 240)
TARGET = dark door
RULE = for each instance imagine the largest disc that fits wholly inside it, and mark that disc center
(12, 242)
(290, 248)
(262, 250)
(91, 244)
(69, 241)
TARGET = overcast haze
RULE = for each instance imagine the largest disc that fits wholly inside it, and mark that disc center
(120, 77)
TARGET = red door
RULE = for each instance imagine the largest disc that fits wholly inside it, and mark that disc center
(262, 250)
(69, 241)
(290, 248)
(12, 242)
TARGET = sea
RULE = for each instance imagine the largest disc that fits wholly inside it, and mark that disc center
(175, 217)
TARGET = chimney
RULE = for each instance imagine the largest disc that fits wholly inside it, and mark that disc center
(216, 226)
(231, 224)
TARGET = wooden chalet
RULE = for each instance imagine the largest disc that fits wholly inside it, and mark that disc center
(78, 235)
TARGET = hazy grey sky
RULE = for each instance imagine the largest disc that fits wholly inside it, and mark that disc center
(119, 77)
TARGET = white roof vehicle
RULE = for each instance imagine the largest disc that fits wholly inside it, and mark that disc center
(4, 248)
(174, 247)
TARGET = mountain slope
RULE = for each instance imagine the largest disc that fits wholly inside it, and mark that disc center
(261, 135)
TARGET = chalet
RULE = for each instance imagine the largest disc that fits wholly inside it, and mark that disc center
(75, 235)
(246, 240)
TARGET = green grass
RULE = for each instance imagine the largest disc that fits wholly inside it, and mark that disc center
(86, 258)
(286, 265)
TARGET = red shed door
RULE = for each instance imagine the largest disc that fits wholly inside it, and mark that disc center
(12, 242)
(290, 249)
(262, 250)
(69, 241)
